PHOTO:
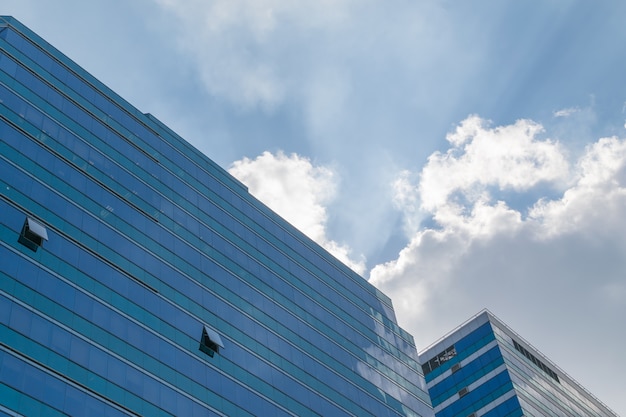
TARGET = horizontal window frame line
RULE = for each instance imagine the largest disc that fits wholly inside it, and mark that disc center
(540, 404)
(536, 361)
(471, 379)
(225, 237)
(105, 349)
(408, 390)
(504, 329)
(78, 168)
(311, 247)
(463, 362)
(297, 289)
(131, 113)
(79, 137)
(552, 402)
(560, 405)
(241, 346)
(199, 358)
(58, 375)
(108, 96)
(62, 126)
(475, 346)
(199, 320)
(520, 372)
(305, 352)
(482, 401)
(71, 99)
(4, 409)
(497, 402)
(79, 244)
(261, 210)
(200, 283)
(146, 328)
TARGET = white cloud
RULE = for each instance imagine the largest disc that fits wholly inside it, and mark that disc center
(327, 59)
(546, 249)
(566, 112)
(407, 200)
(345, 75)
(251, 52)
(595, 203)
(297, 190)
(508, 157)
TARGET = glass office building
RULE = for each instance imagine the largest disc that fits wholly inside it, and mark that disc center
(483, 368)
(137, 277)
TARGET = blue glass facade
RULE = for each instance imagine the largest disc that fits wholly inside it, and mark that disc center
(161, 286)
(483, 368)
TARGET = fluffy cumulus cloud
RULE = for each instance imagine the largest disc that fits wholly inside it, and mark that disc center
(505, 218)
(506, 210)
(297, 190)
(500, 210)
(595, 204)
(507, 157)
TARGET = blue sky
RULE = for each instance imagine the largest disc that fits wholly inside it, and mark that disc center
(460, 155)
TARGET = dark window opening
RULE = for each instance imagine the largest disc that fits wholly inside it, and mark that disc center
(463, 392)
(455, 367)
(210, 342)
(33, 234)
(439, 360)
(536, 361)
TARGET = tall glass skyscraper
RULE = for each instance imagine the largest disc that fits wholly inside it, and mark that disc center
(137, 277)
(484, 369)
